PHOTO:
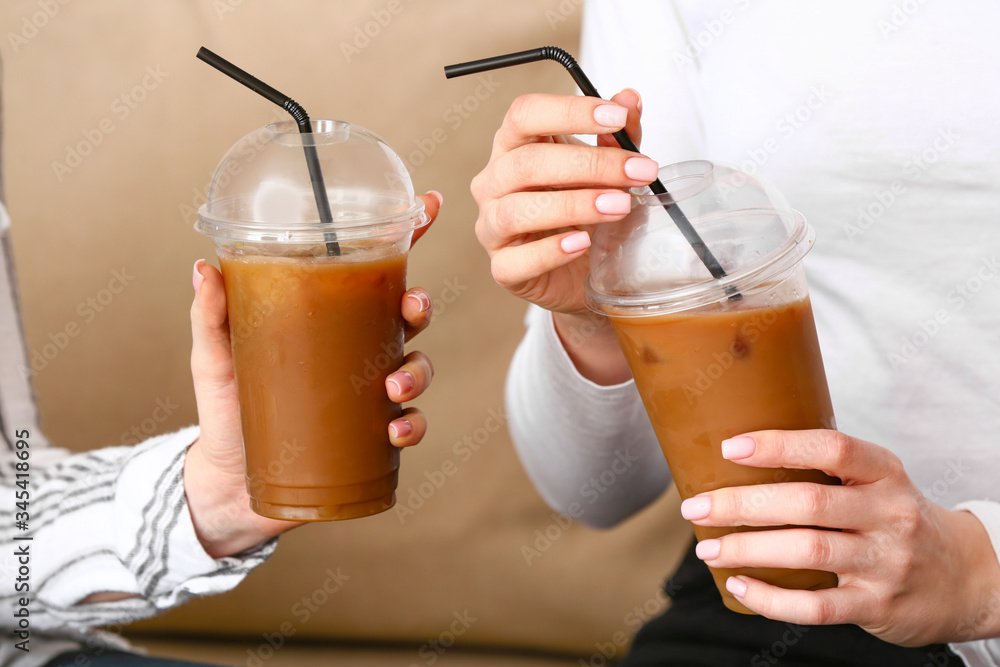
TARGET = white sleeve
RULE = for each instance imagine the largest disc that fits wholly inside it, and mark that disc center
(115, 519)
(982, 652)
(589, 449)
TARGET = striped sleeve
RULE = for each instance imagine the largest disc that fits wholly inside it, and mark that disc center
(115, 520)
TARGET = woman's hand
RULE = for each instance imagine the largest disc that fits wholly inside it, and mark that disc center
(911, 572)
(542, 192)
(540, 196)
(214, 478)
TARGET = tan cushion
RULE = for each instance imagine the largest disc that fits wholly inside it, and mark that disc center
(124, 204)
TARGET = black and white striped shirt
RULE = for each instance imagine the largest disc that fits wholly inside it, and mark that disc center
(115, 519)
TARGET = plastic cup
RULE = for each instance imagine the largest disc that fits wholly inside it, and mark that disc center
(709, 366)
(314, 335)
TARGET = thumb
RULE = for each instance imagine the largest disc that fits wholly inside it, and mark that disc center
(432, 204)
(630, 99)
(212, 357)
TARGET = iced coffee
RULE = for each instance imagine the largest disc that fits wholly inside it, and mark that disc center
(717, 348)
(313, 340)
(314, 301)
(708, 375)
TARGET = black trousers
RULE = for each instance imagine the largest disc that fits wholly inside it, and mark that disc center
(698, 631)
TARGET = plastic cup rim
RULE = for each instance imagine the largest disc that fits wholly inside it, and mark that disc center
(364, 228)
(678, 299)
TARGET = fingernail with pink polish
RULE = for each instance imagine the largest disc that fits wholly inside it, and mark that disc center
(401, 428)
(423, 301)
(738, 448)
(694, 509)
(708, 549)
(196, 278)
(437, 195)
(402, 382)
(737, 587)
(613, 203)
(642, 169)
(611, 115)
(575, 242)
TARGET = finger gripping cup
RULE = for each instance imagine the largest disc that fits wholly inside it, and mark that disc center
(709, 366)
(314, 334)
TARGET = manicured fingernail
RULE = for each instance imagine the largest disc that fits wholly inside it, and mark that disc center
(611, 115)
(402, 382)
(196, 278)
(642, 169)
(738, 448)
(737, 587)
(708, 549)
(694, 509)
(400, 428)
(422, 300)
(638, 101)
(575, 242)
(613, 203)
(438, 196)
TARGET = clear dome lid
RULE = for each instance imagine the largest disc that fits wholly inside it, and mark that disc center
(262, 191)
(643, 265)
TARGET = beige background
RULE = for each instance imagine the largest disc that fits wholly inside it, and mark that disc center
(127, 207)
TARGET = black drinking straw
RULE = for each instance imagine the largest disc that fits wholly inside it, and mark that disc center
(305, 127)
(569, 62)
